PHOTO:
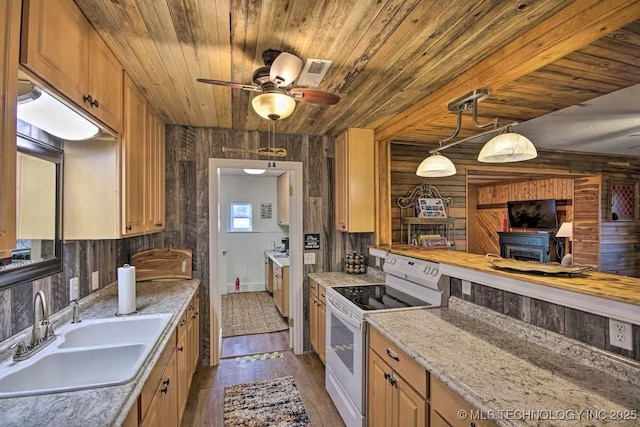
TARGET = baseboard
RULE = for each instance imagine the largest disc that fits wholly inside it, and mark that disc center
(247, 287)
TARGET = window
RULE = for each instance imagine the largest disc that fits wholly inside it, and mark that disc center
(240, 218)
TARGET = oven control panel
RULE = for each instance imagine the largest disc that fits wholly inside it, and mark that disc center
(415, 270)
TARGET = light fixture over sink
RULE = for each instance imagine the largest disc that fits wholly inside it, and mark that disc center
(254, 171)
(45, 112)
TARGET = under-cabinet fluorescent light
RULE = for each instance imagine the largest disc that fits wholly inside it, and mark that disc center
(47, 113)
(254, 171)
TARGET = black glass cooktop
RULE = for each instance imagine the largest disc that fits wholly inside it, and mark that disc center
(378, 297)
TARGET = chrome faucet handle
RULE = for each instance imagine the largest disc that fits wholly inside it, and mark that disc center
(21, 349)
(48, 331)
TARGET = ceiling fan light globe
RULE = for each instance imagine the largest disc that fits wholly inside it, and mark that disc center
(507, 147)
(273, 105)
(285, 69)
(436, 166)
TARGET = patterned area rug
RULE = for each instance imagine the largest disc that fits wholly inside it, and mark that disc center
(248, 313)
(264, 404)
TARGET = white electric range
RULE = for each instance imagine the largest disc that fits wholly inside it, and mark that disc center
(409, 284)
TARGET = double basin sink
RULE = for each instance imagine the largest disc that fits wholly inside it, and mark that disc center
(89, 354)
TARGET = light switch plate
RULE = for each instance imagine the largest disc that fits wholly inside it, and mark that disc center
(95, 280)
(309, 258)
(466, 287)
(74, 289)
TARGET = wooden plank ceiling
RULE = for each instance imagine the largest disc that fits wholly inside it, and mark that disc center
(396, 63)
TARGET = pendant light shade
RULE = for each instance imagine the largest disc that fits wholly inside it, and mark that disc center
(273, 105)
(436, 165)
(507, 147)
(285, 69)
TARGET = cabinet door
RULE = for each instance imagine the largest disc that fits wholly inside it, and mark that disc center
(10, 46)
(160, 176)
(435, 420)
(134, 162)
(151, 165)
(55, 45)
(341, 183)
(194, 334)
(105, 79)
(283, 199)
(322, 330)
(284, 289)
(169, 392)
(313, 323)
(182, 366)
(379, 398)
(409, 408)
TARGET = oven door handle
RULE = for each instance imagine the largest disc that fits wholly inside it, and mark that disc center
(341, 315)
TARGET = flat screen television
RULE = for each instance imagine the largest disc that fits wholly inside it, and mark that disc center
(533, 214)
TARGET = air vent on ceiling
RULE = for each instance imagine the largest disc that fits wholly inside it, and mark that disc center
(313, 72)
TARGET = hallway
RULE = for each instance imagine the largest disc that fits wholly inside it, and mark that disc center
(205, 406)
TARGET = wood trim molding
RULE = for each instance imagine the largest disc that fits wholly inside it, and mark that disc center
(577, 25)
(382, 170)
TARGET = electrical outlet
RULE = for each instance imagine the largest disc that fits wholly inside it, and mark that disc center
(95, 280)
(378, 262)
(74, 289)
(620, 334)
(466, 287)
(309, 257)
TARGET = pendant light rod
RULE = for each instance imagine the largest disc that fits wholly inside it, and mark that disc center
(497, 129)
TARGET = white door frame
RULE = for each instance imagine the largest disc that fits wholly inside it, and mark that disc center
(295, 248)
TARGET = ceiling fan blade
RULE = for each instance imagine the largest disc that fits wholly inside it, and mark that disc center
(314, 96)
(232, 85)
(285, 69)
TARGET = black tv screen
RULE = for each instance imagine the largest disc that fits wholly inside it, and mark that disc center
(535, 214)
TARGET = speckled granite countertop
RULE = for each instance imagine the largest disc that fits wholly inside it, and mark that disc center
(280, 258)
(499, 364)
(106, 406)
(336, 278)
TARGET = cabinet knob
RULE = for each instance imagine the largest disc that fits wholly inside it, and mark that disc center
(393, 382)
(393, 355)
(181, 348)
(88, 99)
(129, 227)
(387, 376)
(165, 386)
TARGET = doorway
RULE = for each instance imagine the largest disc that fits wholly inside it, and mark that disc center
(217, 266)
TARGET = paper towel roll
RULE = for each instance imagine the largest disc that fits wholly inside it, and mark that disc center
(126, 289)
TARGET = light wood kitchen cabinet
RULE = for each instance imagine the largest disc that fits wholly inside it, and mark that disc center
(268, 274)
(447, 403)
(193, 339)
(354, 181)
(163, 411)
(61, 48)
(135, 164)
(281, 289)
(283, 194)
(182, 368)
(155, 194)
(317, 318)
(397, 386)
(9, 56)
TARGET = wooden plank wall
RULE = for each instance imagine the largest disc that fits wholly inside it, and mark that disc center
(405, 158)
(620, 248)
(586, 220)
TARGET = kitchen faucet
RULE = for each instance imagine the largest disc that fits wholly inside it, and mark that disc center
(38, 340)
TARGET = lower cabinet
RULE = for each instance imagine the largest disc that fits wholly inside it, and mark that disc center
(281, 289)
(317, 318)
(446, 403)
(164, 396)
(397, 386)
(163, 411)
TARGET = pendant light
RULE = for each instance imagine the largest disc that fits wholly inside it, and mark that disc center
(436, 165)
(507, 147)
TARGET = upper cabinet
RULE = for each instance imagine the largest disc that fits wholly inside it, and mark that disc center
(9, 53)
(354, 181)
(60, 47)
(117, 188)
(135, 161)
(283, 199)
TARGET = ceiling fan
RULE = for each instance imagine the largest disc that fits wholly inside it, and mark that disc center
(275, 82)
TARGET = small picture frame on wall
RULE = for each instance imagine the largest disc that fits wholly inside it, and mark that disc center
(431, 208)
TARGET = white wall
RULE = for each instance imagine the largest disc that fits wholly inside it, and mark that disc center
(244, 257)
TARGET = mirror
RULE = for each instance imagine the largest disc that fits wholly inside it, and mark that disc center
(38, 251)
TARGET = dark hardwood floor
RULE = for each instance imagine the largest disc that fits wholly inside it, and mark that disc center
(205, 406)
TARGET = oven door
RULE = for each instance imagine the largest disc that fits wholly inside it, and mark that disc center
(344, 355)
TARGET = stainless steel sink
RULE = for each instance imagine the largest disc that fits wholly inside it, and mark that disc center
(93, 353)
